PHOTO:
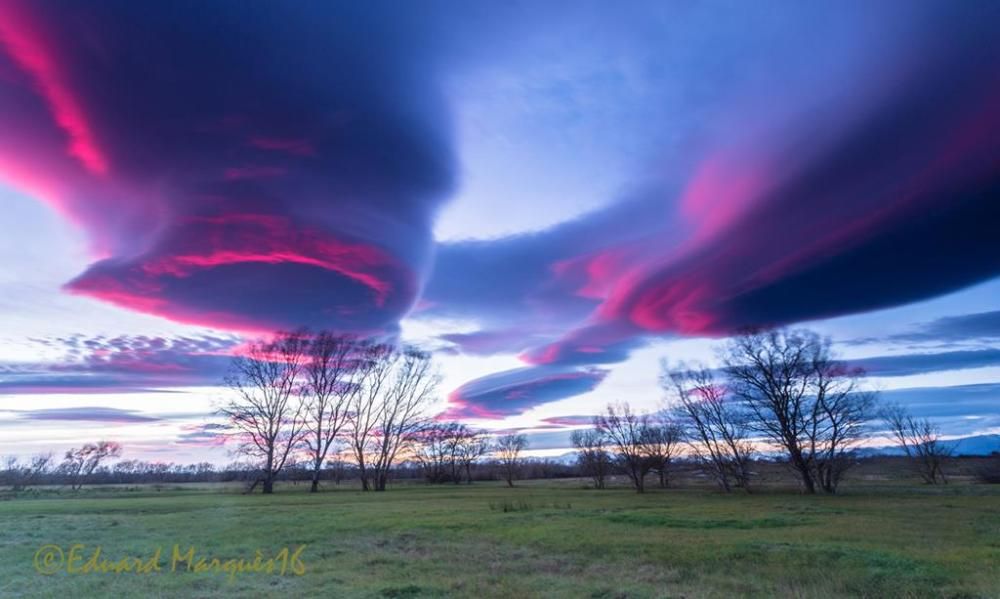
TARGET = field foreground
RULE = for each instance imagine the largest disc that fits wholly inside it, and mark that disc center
(537, 540)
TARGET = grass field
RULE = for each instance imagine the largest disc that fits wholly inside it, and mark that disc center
(542, 539)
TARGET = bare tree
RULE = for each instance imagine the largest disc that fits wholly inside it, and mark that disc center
(508, 450)
(437, 451)
(660, 444)
(328, 389)
(390, 409)
(801, 400)
(625, 430)
(471, 447)
(266, 410)
(373, 379)
(80, 463)
(20, 476)
(592, 454)
(920, 439)
(715, 428)
(447, 450)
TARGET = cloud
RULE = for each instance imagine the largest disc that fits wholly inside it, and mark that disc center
(491, 342)
(570, 420)
(122, 364)
(516, 391)
(227, 178)
(908, 364)
(957, 410)
(886, 199)
(549, 440)
(88, 414)
(538, 275)
(201, 198)
(203, 435)
(979, 326)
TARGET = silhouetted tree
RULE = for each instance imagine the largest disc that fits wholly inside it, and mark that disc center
(660, 442)
(801, 400)
(266, 409)
(437, 451)
(328, 388)
(472, 446)
(921, 441)
(508, 449)
(20, 476)
(714, 426)
(625, 431)
(592, 454)
(80, 463)
(389, 410)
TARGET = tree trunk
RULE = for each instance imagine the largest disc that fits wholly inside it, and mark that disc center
(317, 471)
(807, 482)
(269, 472)
(363, 472)
(804, 472)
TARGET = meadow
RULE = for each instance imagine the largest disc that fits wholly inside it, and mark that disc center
(540, 539)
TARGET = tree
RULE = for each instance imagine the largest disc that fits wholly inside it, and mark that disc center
(266, 410)
(660, 442)
(625, 431)
(592, 454)
(80, 463)
(715, 428)
(446, 451)
(920, 440)
(20, 476)
(373, 376)
(398, 386)
(437, 451)
(508, 449)
(328, 389)
(470, 447)
(802, 400)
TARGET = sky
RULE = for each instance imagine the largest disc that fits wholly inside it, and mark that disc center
(553, 197)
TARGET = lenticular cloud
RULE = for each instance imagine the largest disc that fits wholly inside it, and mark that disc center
(242, 168)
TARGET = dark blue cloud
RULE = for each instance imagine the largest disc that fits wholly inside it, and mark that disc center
(516, 391)
(980, 326)
(302, 147)
(908, 364)
(846, 207)
(958, 410)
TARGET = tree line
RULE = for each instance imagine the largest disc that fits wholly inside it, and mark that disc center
(327, 394)
(780, 392)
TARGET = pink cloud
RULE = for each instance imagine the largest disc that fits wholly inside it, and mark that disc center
(33, 51)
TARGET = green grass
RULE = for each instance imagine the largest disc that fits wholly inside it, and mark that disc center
(537, 540)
